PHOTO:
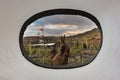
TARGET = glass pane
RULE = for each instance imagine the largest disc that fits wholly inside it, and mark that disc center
(61, 40)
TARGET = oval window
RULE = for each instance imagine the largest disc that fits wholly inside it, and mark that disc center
(61, 38)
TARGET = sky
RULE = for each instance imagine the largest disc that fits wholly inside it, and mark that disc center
(57, 25)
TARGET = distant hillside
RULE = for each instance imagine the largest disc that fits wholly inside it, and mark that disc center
(94, 33)
(88, 36)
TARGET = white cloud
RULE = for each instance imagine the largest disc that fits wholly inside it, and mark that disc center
(60, 26)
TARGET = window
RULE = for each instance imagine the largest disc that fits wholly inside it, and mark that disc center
(61, 38)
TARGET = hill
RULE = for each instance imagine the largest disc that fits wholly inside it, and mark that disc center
(90, 37)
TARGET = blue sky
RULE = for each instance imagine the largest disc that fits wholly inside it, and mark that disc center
(57, 25)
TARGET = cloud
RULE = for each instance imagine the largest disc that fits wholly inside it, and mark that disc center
(62, 19)
(70, 33)
(60, 24)
(31, 33)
